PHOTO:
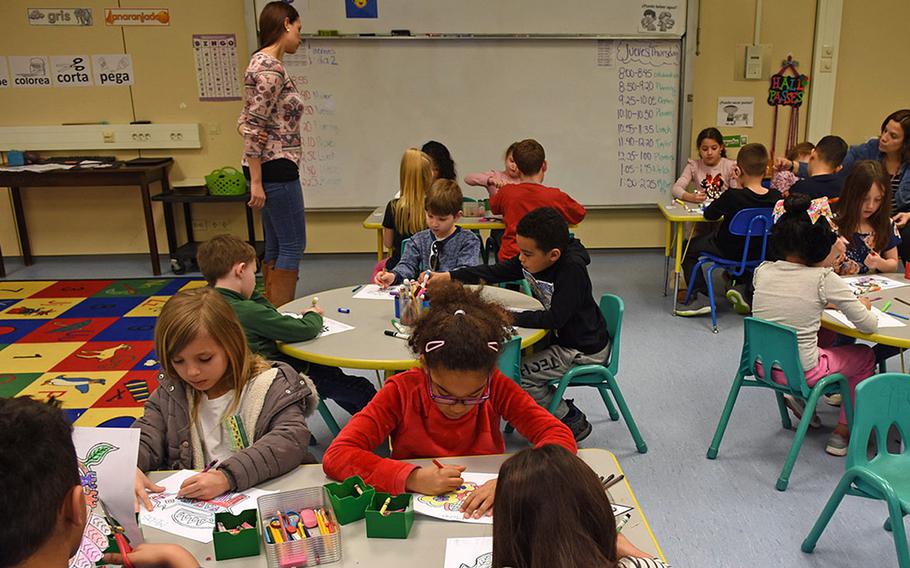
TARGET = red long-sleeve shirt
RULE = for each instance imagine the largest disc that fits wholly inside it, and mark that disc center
(403, 408)
(517, 200)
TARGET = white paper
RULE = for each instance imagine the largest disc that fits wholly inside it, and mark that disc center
(104, 454)
(446, 506)
(373, 292)
(331, 327)
(620, 509)
(871, 283)
(659, 17)
(37, 168)
(884, 320)
(188, 517)
(476, 552)
(216, 67)
(112, 70)
(735, 111)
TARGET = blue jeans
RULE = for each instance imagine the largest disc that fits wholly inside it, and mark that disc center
(284, 224)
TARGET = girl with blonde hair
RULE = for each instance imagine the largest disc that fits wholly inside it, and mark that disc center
(219, 403)
(404, 215)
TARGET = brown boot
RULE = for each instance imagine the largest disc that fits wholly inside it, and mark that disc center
(283, 284)
(267, 268)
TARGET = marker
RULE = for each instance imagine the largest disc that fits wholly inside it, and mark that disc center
(680, 201)
(210, 466)
(614, 481)
(382, 510)
(358, 490)
(622, 522)
(315, 300)
(887, 305)
(875, 299)
(344, 310)
(437, 464)
(905, 302)
(897, 315)
(354, 291)
(391, 333)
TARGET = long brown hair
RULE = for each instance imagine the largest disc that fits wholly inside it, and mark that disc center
(203, 310)
(863, 175)
(271, 22)
(551, 511)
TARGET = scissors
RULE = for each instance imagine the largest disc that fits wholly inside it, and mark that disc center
(123, 545)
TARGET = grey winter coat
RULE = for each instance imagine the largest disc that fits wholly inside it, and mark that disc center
(277, 401)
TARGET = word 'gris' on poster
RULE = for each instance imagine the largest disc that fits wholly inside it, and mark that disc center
(60, 16)
(30, 71)
(113, 70)
(70, 71)
(659, 18)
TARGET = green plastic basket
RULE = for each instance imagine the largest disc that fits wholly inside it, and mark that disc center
(226, 181)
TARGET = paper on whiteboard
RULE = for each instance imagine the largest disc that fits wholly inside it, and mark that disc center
(446, 506)
(473, 552)
(884, 320)
(103, 454)
(871, 283)
(190, 518)
(373, 292)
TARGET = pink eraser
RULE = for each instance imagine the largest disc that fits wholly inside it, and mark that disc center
(308, 516)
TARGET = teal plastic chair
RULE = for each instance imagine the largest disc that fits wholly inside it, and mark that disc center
(509, 364)
(775, 345)
(328, 418)
(882, 401)
(603, 377)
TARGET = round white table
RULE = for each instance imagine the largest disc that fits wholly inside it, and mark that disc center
(366, 346)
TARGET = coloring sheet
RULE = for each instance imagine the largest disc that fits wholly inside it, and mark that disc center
(101, 454)
(331, 327)
(884, 320)
(373, 292)
(190, 518)
(474, 552)
(871, 283)
(104, 454)
(619, 510)
(446, 506)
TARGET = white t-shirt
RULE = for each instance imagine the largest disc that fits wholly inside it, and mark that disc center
(216, 442)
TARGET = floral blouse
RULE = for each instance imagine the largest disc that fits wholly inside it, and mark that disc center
(858, 249)
(273, 106)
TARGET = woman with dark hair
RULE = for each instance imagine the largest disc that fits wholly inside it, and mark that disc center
(892, 148)
(443, 166)
(270, 126)
(569, 523)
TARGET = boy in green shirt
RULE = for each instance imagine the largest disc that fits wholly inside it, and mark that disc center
(229, 265)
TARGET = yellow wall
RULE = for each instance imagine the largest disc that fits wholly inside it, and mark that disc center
(165, 79)
(872, 78)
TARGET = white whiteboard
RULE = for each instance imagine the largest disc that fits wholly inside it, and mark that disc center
(604, 110)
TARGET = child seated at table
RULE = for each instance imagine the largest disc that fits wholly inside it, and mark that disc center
(450, 406)
(229, 265)
(557, 527)
(444, 246)
(43, 502)
(556, 268)
(218, 402)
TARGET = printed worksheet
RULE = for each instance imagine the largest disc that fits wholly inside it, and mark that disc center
(373, 292)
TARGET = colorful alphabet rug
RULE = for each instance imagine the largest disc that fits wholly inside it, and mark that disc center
(89, 343)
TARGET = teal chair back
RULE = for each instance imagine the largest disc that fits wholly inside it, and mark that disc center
(881, 401)
(612, 308)
(510, 359)
(775, 346)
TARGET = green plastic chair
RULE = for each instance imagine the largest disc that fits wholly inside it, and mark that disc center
(881, 401)
(509, 364)
(775, 345)
(603, 377)
(328, 418)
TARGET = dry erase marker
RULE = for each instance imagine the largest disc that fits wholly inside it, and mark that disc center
(391, 333)
(622, 522)
(344, 310)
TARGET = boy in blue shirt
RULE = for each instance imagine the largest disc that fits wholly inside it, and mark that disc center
(556, 267)
(442, 247)
(824, 163)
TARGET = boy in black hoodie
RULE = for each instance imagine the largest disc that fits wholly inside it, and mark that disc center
(556, 268)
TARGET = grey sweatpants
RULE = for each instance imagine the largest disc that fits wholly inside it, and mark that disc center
(552, 363)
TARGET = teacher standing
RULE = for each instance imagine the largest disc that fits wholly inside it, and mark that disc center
(270, 126)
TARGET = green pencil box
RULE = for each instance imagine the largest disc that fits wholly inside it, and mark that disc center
(396, 524)
(244, 543)
(348, 505)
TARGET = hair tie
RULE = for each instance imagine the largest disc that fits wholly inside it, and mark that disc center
(494, 345)
(433, 345)
(459, 313)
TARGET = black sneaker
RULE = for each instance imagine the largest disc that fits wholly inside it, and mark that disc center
(577, 422)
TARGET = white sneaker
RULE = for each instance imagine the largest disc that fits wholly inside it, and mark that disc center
(835, 399)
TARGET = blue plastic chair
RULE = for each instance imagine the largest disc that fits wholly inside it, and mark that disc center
(603, 376)
(775, 345)
(882, 401)
(750, 223)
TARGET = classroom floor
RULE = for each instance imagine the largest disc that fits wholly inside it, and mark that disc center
(675, 375)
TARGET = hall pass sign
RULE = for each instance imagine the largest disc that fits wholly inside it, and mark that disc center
(137, 16)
